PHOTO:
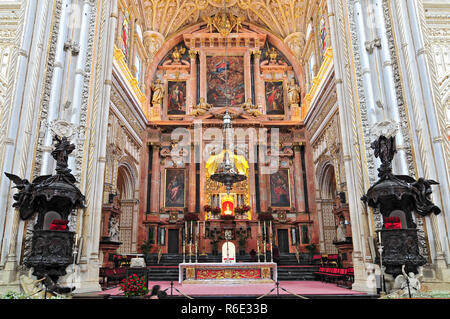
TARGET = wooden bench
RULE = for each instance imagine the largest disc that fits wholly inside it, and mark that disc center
(112, 276)
(333, 274)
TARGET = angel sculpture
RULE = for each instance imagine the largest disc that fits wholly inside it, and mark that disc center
(202, 108)
(423, 193)
(33, 288)
(251, 109)
(178, 53)
(24, 196)
(408, 283)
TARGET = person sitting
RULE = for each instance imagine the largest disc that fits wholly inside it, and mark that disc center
(155, 292)
(276, 254)
(252, 255)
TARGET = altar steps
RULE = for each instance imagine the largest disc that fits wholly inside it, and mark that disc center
(289, 269)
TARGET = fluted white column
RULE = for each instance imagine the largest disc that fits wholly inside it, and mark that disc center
(56, 88)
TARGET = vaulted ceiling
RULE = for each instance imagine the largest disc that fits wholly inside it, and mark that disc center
(281, 17)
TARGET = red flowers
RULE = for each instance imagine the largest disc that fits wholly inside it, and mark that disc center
(207, 208)
(134, 286)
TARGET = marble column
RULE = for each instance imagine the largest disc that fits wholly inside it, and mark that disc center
(247, 75)
(259, 88)
(263, 180)
(203, 74)
(192, 182)
(156, 180)
(337, 15)
(298, 181)
(193, 82)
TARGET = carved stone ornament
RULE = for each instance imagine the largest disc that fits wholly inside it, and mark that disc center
(62, 128)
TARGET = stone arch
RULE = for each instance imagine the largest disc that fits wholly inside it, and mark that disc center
(175, 39)
(127, 179)
(325, 194)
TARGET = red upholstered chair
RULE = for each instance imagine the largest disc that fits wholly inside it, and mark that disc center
(59, 224)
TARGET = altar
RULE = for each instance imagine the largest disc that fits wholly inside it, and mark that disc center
(263, 272)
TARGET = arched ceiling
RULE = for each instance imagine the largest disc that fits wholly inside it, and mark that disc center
(282, 18)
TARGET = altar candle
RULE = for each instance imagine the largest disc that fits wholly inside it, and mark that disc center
(379, 236)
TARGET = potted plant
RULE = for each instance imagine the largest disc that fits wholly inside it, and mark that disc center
(134, 286)
(146, 247)
(242, 244)
(311, 249)
(215, 247)
(117, 259)
(265, 216)
(216, 211)
(190, 217)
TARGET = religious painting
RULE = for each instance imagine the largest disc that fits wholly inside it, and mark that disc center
(225, 80)
(176, 103)
(126, 34)
(323, 34)
(174, 195)
(138, 65)
(274, 97)
(280, 189)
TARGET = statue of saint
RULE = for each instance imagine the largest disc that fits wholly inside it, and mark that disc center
(340, 232)
(113, 229)
(158, 92)
(202, 108)
(293, 93)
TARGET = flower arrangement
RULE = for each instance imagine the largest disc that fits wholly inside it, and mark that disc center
(207, 208)
(265, 216)
(245, 208)
(238, 210)
(134, 286)
(190, 217)
(216, 210)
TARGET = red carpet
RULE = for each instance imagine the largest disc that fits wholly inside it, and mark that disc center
(292, 287)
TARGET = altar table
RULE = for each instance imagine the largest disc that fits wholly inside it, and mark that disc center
(227, 272)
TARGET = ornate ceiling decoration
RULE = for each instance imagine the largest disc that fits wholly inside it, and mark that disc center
(280, 17)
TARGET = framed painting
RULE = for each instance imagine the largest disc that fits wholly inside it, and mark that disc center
(274, 97)
(175, 188)
(225, 80)
(176, 101)
(280, 190)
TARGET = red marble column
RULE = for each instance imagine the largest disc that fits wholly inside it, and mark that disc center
(156, 180)
(143, 199)
(193, 82)
(298, 180)
(251, 177)
(203, 74)
(263, 182)
(259, 89)
(247, 75)
(192, 182)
